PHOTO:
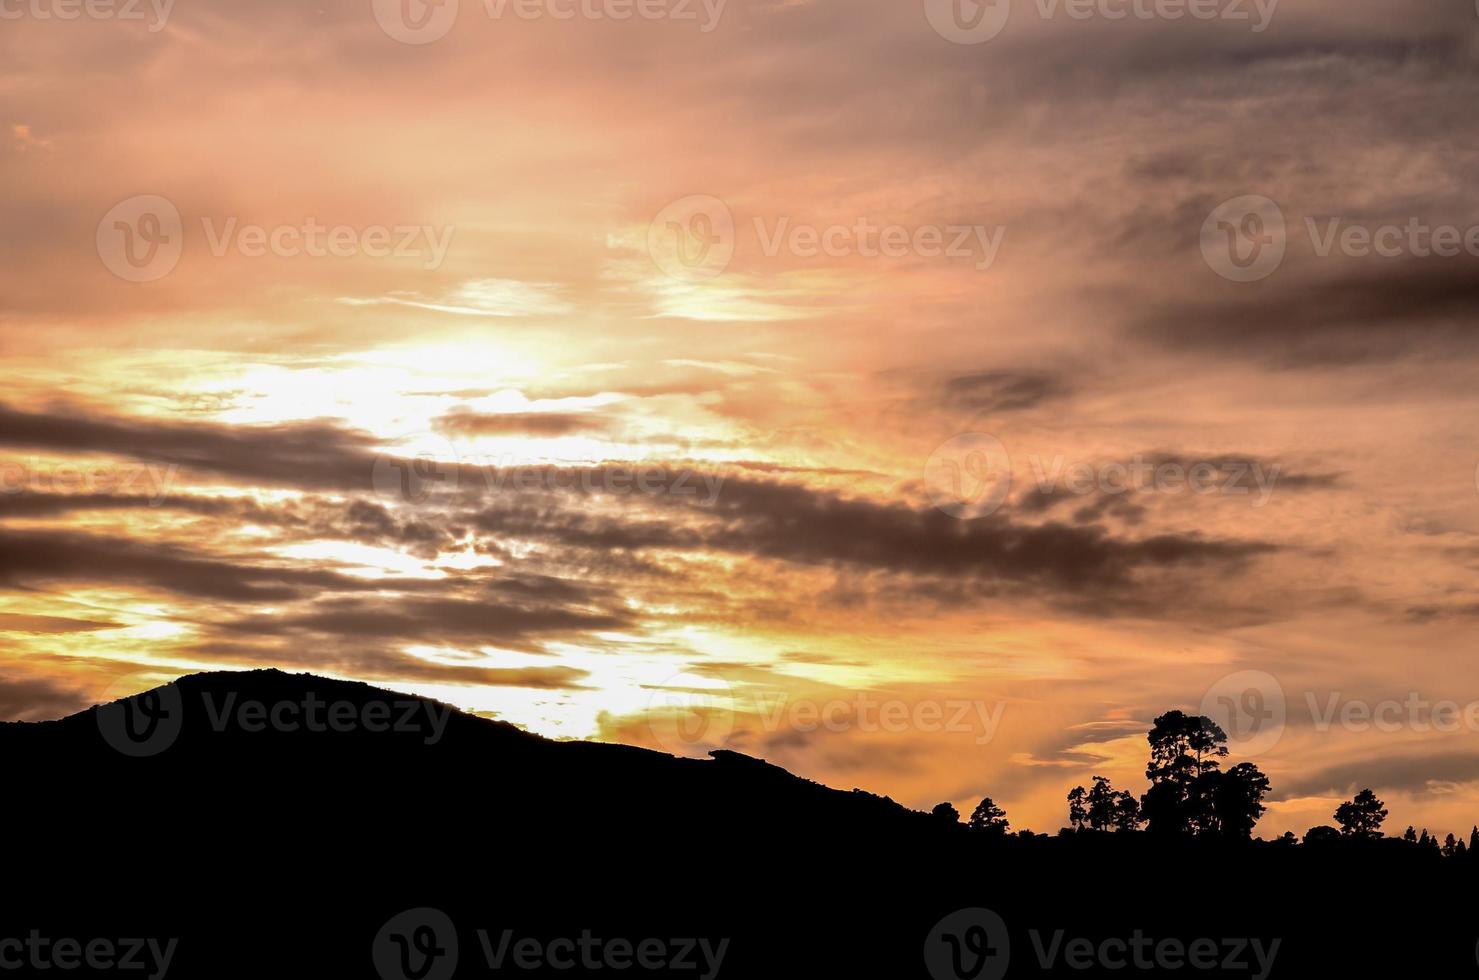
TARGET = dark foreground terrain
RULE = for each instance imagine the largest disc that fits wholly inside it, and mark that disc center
(186, 833)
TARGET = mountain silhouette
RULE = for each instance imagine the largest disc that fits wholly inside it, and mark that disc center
(290, 825)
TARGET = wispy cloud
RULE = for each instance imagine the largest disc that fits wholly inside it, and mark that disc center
(482, 297)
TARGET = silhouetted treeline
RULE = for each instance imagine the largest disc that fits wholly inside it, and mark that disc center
(1191, 795)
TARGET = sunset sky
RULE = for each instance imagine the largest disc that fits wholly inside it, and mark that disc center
(788, 256)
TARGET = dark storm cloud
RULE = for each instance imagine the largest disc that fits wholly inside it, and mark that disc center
(1430, 613)
(1002, 391)
(1392, 773)
(1377, 311)
(367, 522)
(902, 82)
(797, 524)
(23, 623)
(29, 559)
(584, 509)
(303, 454)
(433, 620)
(757, 466)
(314, 456)
(793, 523)
(29, 504)
(464, 423)
(1234, 474)
(361, 521)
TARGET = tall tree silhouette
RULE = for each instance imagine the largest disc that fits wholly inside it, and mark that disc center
(946, 813)
(1102, 807)
(1126, 811)
(990, 818)
(1362, 816)
(1184, 754)
(1183, 746)
(1078, 814)
(1229, 803)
